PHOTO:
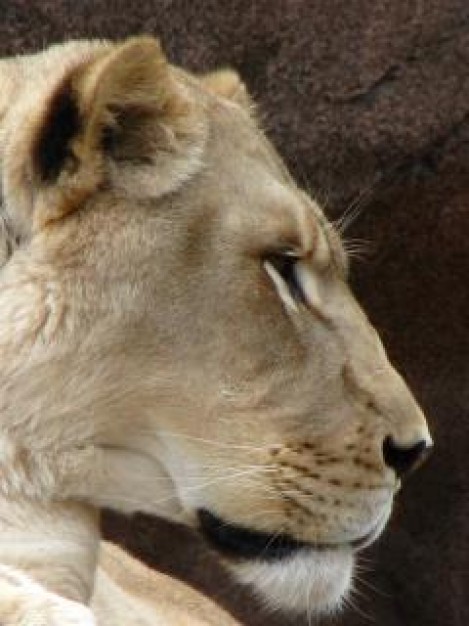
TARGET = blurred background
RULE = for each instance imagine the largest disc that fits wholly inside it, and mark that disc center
(368, 102)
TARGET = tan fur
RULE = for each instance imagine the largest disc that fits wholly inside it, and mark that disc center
(154, 359)
(152, 598)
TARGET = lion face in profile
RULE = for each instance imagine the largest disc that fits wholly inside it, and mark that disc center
(176, 330)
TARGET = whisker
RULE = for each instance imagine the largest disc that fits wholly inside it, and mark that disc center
(220, 444)
(356, 206)
(309, 607)
(357, 248)
(348, 601)
(187, 490)
(253, 516)
(205, 469)
(366, 583)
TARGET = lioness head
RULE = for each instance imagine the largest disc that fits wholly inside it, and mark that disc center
(176, 330)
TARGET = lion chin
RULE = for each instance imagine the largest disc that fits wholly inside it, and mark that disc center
(306, 582)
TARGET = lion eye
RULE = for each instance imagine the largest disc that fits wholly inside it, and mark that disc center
(282, 269)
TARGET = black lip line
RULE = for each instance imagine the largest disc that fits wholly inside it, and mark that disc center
(241, 542)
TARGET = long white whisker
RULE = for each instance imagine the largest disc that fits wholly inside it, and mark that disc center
(356, 207)
(185, 489)
(215, 443)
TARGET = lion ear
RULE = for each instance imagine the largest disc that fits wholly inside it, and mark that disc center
(228, 84)
(119, 117)
(107, 104)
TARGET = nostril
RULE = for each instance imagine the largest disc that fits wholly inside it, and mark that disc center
(403, 459)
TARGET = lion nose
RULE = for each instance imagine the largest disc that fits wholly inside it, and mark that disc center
(404, 459)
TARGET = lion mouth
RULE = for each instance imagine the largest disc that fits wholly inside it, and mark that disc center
(239, 542)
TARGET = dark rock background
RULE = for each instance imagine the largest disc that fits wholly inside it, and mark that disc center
(368, 101)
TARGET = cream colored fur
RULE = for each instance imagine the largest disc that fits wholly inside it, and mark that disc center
(153, 356)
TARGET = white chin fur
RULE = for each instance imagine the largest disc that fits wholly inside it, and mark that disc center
(308, 582)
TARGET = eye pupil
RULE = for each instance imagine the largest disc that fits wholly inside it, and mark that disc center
(285, 265)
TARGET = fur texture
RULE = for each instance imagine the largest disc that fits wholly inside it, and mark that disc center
(159, 225)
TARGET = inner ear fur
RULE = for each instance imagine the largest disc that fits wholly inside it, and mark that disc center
(111, 115)
(131, 103)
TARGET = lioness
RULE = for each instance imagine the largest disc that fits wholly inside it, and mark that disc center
(177, 336)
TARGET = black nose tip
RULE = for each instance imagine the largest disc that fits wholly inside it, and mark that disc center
(404, 459)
